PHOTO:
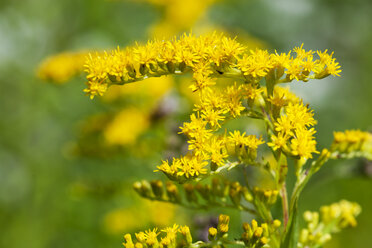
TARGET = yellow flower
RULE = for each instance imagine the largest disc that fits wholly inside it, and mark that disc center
(119, 220)
(213, 117)
(233, 100)
(284, 124)
(191, 166)
(95, 89)
(332, 218)
(252, 142)
(146, 54)
(61, 67)
(250, 91)
(352, 141)
(327, 65)
(129, 242)
(217, 150)
(196, 128)
(301, 53)
(278, 141)
(160, 213)
(201, 82)
(303, 144)
(300, 115)
(126, 219)
(256, 65)
(212, 99)
(126, 127)
(169, 169)
(223, 223)
(240, 140)
(282, 96)
(281, 60)
(201, 77)
(151, 236)
(344, 212)
(231, 48)
(186, 56)
(171, 231)
(294, 69)
(309, 64)
(236, 138)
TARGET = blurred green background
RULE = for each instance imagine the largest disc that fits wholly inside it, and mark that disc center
(51, 198)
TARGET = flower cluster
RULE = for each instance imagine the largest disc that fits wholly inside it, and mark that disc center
(258, 236)
(302, 67)
(180, 236)
(352, 143)
(250, 91)
(207, 57)
(218, 193)
(332, 218)
(149, 238)
(293, 133)
(267, 196)
(173, 237)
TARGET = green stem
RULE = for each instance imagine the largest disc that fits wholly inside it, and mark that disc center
(284, 196)
(262, 210)
(206, 206)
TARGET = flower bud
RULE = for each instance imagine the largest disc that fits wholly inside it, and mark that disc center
(157, 188)
(223, 223)
(212, 233)
(172, 192)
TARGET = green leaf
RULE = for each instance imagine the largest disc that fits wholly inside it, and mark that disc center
(291, 235)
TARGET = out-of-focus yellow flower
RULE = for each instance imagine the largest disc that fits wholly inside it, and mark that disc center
(173, 20)
(352, 142)
(153, 88)
(61, 67)
(191, 11)
(295, 127)
(123, 219)
(331, 219)
(127, 219)
(125, 128)
(161, 213)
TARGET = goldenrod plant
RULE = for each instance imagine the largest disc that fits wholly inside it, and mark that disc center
(200, 178)
(114, 131)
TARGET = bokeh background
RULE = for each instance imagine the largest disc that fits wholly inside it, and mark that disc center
(65, 177)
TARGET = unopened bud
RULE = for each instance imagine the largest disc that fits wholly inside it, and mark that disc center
(258, 232)
(157, 188)
(223, 223)
(212, 233)
(247, 195)
(172, 192)
(264, 241)
(277, 223)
